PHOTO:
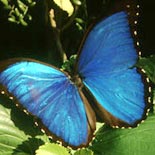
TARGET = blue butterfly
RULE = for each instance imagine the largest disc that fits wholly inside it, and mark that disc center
(105, 84)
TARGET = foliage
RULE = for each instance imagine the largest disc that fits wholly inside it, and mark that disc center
(18, 11)
(138, 141)
(148, 64)
(68, 64)
(19, 135)
(17, 131)
(84, 152)
(49, 149)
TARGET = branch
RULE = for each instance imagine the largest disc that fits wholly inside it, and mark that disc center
(57, 36)
(71, 19)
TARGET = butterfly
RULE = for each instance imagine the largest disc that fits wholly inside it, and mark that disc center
(105, 85)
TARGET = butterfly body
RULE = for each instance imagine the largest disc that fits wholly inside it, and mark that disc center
(105, 84)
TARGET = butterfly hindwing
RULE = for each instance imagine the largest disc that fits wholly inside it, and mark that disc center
(48, 94)
(106, 65)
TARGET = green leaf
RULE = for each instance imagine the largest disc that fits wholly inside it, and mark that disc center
(136, 141)
(153, 98)
(65, 5)
(52, 149)
(5, 2)
(18, 135)
(84, 152)
(76, 2)
(12, 19)
(69, 64)
(148, 64)
(99, 125)
(22, 6)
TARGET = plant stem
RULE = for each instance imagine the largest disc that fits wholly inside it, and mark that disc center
(57, 34)
(71, 18)
(59, 45)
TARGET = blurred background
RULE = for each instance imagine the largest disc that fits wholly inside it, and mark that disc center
(147, 26)
(33, 36)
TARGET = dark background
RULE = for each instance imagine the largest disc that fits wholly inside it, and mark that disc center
(147, 26)
(32, 41)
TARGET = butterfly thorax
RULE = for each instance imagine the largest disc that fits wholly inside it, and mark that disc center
(76, 79)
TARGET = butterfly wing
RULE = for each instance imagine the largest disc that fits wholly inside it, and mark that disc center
(48, 94)
(106, 67)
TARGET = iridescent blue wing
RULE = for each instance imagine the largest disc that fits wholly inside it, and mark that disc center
(106, 67)
(48, 94)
